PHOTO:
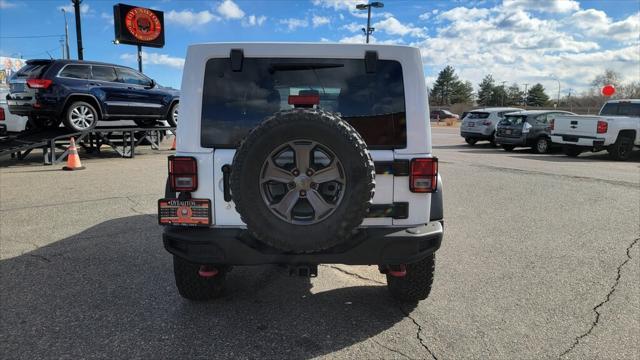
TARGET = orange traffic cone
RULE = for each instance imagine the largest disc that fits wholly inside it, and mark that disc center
(73, 160)
(173, 146)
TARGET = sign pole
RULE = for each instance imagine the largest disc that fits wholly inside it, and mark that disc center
(139, 57)
(76, 8)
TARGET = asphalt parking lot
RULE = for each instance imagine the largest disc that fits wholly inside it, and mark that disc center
(539, 260)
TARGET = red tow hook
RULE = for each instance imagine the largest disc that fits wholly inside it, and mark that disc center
(397, 271)
(207, 271)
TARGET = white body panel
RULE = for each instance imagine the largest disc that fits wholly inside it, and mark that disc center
(15, 123)
(388, 189)
(477, 126)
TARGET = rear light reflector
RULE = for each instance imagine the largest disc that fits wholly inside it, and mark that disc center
(183, 173)
(602, 128)
(1, 114)
(38, 83)
(423, 175)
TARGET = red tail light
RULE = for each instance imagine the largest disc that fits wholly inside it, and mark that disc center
(304, 99)
(602, 128)
(486, 122)
(552, 124)
(38, 83)
(1, 114)
(183, 173)
(423, 175)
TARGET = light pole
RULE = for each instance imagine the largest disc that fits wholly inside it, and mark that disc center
(65, 53)
(76, 10)
(376, 4)
(558, 80)
(503, 92)
(526, 86)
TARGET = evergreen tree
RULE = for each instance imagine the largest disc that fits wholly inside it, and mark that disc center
(514, 95)
(485, 91)
(462, 92)
(498, 96)
(536, 96)
(443, 88)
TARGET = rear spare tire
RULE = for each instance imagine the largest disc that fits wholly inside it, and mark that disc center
(302, 180)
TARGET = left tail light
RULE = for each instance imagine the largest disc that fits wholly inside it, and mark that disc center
(183, 173)
(486, 122)
(2, 114)
(602, 128)
(552, 124)
(38, 83)
(423, 175)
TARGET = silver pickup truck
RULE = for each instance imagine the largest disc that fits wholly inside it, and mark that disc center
(616, 129)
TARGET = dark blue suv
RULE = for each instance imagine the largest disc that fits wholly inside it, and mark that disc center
(79, 93)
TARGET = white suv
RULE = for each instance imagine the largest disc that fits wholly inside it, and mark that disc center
(480, 124)
(302, 154)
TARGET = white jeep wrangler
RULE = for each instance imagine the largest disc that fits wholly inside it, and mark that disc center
(302, 154)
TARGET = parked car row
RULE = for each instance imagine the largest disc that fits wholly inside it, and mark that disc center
(443, 114)
(78, 94)
(616, 129)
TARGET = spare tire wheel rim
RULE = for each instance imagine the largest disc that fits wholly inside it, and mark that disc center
(302, 182)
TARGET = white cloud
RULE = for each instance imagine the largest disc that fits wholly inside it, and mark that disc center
(338, 4)
(425, 16)
(549, 6)
(230, 10)
(394, 27)
(353, 27)
(463, 13)
(596, 23)
(356, 39)
(84, 8)
(108, 17)
(189, 18)
(253, 20)
(324, 40)
(156, 59)
(320, 20)
(5, 4)
(293, 23)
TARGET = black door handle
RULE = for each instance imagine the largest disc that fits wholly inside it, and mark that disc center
(226, 175)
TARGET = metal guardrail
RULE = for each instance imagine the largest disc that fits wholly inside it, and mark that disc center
(123, 140)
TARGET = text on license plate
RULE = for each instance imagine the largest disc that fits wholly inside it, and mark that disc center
(471, 124)
(192, 212)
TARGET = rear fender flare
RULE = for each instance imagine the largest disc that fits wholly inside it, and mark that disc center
(437, 205)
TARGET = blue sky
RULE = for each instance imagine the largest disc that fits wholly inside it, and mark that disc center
(521, 41)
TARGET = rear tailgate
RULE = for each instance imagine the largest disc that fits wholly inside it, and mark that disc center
(575, 125)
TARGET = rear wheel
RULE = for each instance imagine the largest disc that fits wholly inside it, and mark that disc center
(416, 284)
(572, 151)
(172, 119)
(80, 116)
(191, 285)
(508, 147)
(542, 146)
(492, 140)
(471, 141)
(621, 149)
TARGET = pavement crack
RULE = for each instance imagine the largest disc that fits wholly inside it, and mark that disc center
(596, 309)
(418, 332)
(391, 349)
(46, 259)
(353, 274)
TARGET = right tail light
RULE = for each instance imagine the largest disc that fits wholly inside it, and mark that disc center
(2, 114)
(423, 175)
(603, 126)
(552, 124)
(38, 83)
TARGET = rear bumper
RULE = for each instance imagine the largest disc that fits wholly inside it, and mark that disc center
(476, 135)
(579, 141)
(369, 246)
(3, 129)
(511, 140)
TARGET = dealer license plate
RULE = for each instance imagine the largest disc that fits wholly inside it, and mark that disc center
(508, 132)
(192, 212)
(471, 124)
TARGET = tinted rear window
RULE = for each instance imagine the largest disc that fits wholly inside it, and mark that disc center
(621, 109)
(104, 73)
(32, 71)
(235, 102)
(513, 120)
(477, 115)
(76, 71)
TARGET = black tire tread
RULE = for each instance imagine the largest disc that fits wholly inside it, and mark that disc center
(194, 287)
(349, 222)
(614, 150)
(416, 284)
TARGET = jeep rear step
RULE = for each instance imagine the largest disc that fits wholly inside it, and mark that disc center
(227, 246)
